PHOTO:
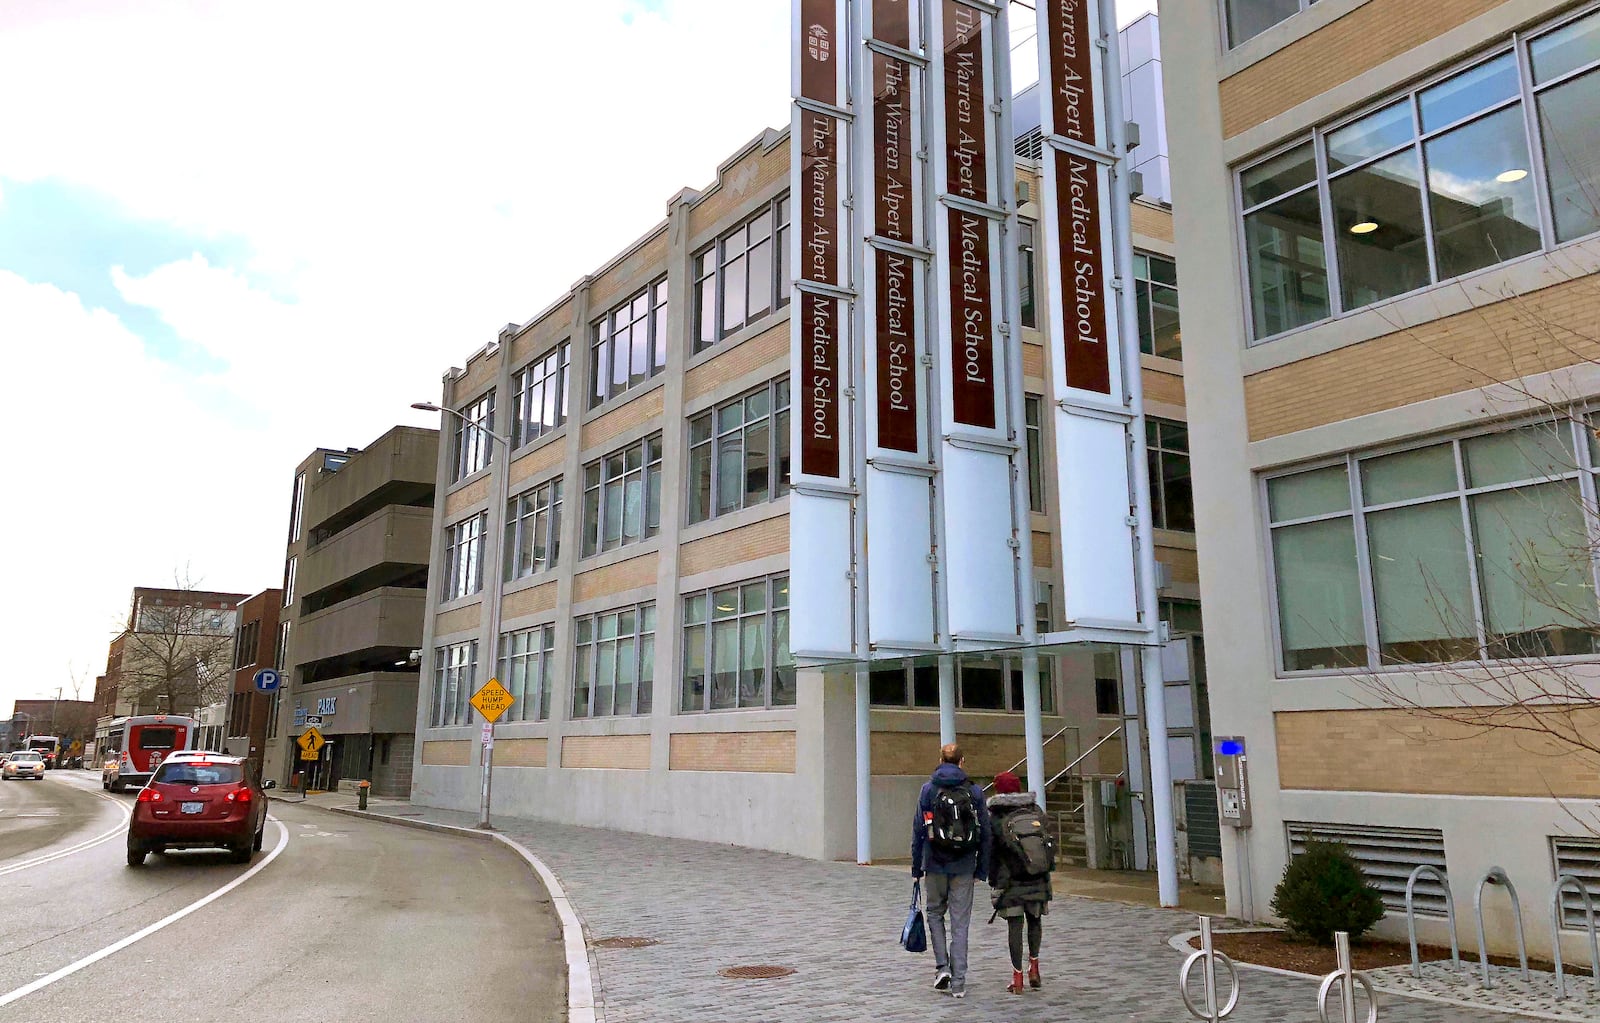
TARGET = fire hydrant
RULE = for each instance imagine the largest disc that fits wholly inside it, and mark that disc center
(361, 794)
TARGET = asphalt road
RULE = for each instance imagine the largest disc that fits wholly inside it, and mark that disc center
(337, 919)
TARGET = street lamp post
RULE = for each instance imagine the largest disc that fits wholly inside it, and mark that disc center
(496, 574)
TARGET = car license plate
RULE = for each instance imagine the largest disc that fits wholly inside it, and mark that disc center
(192, 807)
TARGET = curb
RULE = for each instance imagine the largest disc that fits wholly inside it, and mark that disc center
(583, 1000)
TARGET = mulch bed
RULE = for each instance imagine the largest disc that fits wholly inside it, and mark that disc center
(1278, 949)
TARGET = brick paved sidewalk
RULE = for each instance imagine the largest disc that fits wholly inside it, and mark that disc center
(714, 906)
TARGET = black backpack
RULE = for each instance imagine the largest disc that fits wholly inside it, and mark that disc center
(1027, 840)
(953, 829)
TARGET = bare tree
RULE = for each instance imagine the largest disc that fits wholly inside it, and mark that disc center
(178, 649)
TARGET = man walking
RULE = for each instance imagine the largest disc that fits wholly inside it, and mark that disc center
(950, 844)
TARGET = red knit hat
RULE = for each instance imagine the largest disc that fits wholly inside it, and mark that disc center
(1006, 783)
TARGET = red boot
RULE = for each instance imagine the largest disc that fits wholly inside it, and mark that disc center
(1033, 974)
(1016, 982)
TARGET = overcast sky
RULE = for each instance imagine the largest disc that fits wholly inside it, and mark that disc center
(233, 232)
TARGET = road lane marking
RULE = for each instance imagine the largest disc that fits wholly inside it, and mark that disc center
(121, 828)
(115, 947)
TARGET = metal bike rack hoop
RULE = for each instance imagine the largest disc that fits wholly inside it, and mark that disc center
(1566, 880)
(1347, 977)
(1449, 912)
(1206, 954)
(1497, 876)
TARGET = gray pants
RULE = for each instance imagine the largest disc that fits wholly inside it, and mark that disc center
(952, 891)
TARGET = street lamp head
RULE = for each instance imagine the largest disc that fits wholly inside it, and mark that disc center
(425, 406)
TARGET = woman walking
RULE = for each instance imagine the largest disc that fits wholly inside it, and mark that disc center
(1021, 856)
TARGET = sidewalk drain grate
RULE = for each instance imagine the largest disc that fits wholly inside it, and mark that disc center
(625, 942)
(754, 972)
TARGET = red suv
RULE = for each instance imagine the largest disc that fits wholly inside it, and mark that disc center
(199, 801)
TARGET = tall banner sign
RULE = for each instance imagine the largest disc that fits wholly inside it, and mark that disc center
(822, 502)
(1092, 410)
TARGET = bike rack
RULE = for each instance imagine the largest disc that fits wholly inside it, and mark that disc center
(1347, 978)
(1211, 1013)
(1565, 880)
(1411, 917)
(1497, 876)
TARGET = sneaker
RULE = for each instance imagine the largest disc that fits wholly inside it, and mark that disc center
(958, 992)
(941, 980)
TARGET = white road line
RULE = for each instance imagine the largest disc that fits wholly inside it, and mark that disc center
(121, 828)
(94, 957)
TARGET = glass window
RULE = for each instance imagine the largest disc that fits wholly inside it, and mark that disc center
(526, 662)
(1171, 491)
(1571, 135)
(1463, 95)
(1535, 571)
(463, 558)
(742, 276)
(297, 506)
(1279, 175)
(288, 581)
(622, 497)
(629, 343)
(1026, 279)
(736, 647)
(615, 664)
(1156, 296)
(540, 393)
(1572, 46)
(472, 436)
(1287, 263)
(739, 452)
(533, 531)
(1377, 217)
(1480, 193)
(1422, 593)
(1319, 595)
(455, 669)
(1377, 132)
(1249, 18)
(1033, 413)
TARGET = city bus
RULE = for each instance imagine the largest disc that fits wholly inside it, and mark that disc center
(47, 746)
(132, 748)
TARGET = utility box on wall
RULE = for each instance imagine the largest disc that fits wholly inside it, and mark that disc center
(1233, 781)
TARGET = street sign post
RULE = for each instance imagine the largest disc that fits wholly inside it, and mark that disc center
(491, 701)
(268, 680)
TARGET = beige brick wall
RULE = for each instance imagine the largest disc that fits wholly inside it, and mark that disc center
(1183, 563)
(617, 752)
(461, 618)
(522, 752)
(756, 752)
(917, 753)
(635, 413)
(1409, 751)
(624, 575)
(1163, 387)
(1151, 221)
(634, 271)
(1548, 329)
(537, 463)
(1361, 40)
(541, 336)
(767, 347)
(465, 497)
(1043, 550)
(757, 540)
(738, 185)
(446, 752)
(479, 376)
(1033, 361)
(529, 601)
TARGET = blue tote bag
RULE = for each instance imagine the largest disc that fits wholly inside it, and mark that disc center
(914, 935)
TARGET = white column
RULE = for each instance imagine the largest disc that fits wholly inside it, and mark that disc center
(863, 764)
(1033, 722)
(947, 699)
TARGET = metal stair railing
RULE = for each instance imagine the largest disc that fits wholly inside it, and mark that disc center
(1082, 757)
(1044, 745)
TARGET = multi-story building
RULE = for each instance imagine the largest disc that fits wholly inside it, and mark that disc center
(351, 610)
(173, 656)
(71, 721)
(1386, 220)
(255, 646)
(617, 468)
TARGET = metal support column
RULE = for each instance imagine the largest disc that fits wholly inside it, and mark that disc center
(947, 699)
(863, 765)
(1033, 723)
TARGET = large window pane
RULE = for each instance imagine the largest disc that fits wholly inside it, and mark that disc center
(1377, 221)
(1465, 94)
(1304, 494)
(730, 465)
(982, 684)
(783, 672)
(753, 662)
(1319, 595)
(757, 457)
(1249, 18)
(1480, 191)
(888, 686)
(700, 483)
(1378, 132)
(583, 671)
(1287, 264)
(1283, 173)
(1421, 589)
(1572, 154)
(1567, 49)
(724, 664)
(694, 667)
(1539, 453)
(1409, 475)
(1534, 571)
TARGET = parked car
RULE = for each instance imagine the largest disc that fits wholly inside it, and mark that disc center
(26, 764)
(199, 801)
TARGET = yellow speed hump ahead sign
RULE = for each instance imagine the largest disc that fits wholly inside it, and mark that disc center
(493, 700)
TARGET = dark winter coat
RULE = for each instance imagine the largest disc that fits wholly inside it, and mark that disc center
(1013, 893)
(976, 862)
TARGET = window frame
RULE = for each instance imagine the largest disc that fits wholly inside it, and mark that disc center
(782, 213)
(586, 668)
(471, 440)
(459, 712)
(1158, 480)
(544, 653)
(778, 482)
(1010, 666)
(1033, 447)
(649, 466)
(1145, 302)
(603, 386)
(555, 364)
(523, 512)
(1586, 473)
(460, 559)
(1526, 96)
(773, 586)
(1228, 42)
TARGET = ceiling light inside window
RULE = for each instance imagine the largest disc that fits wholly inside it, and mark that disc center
(1508, 176)
(1364, 227)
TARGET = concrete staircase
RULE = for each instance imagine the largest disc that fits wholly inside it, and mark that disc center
(1071, 843)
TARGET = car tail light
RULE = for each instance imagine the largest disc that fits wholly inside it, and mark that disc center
(149, 796)
(239, 796)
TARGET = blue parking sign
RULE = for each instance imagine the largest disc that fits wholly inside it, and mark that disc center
(268, 680)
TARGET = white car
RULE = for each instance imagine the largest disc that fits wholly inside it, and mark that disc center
(23, 765)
